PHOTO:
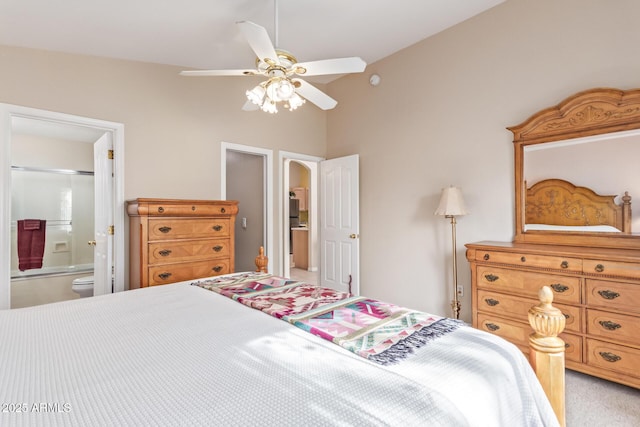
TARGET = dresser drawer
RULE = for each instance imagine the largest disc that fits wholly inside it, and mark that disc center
(171, 273)
(169, 229)
(572, 347)
(613, 326)
(517, 308)
(613, 295)
(530, 260)
(514, 332)
(195, 209)
(614, 357)
(526, 283)
(188, 250)
(611, 268)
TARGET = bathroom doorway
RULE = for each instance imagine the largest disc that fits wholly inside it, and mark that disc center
(103, 139)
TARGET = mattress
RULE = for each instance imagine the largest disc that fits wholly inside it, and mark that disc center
(180, 355)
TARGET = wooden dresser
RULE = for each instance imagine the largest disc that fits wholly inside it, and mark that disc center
(597, 289)
(175, 240)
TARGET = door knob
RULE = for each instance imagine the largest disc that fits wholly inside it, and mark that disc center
(91, 242)
(353, 236)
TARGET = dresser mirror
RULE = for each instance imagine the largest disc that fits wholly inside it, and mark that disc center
(576, 174)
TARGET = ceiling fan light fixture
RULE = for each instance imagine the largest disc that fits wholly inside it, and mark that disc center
(295, 101)
(269, 106)
(256, 95)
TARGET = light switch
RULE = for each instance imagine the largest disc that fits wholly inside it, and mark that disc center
(244, 223)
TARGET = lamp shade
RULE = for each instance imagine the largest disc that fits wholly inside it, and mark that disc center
(451, 203)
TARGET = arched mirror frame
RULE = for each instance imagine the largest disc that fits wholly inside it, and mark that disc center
(588, 113)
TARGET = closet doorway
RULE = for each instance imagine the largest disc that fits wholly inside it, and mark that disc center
(107, 139)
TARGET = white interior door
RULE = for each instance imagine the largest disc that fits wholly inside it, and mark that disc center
(339, 224)
(104, 201)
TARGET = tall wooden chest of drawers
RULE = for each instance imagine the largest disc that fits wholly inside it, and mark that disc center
(597, 289)
(175, 240)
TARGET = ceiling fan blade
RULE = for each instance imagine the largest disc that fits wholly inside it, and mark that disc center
(315, 95)
(259, 40)
(219, 73)
(333, 66)
(249, 106)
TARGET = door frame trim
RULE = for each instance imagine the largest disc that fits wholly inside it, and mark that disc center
(7, 112)
(268, 189)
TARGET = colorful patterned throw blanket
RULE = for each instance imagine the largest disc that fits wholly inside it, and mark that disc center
(381, 332)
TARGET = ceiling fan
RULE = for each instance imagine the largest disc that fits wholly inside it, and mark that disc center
(282, 71)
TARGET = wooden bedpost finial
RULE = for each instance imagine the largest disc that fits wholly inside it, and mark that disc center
(546, 350)
(261, 261)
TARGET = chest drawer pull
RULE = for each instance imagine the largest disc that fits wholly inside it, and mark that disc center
(160, 209)
(492, 326)
(217, 227)
(610, 357)
(217, 268)
(217, 248)
(599, 268)
(491, 277)
(564, 264)
(559, 288)
(523, 259)
(608, 294)
(608, 324)
(486, 257)
(164, 276)
(165, 252)
(164, 229)
(492, 302)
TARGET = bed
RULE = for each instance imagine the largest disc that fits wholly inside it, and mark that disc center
(197, 353)
(559, 205)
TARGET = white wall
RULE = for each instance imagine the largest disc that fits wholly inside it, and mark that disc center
(438, 117)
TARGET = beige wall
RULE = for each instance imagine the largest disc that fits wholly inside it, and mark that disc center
(173, 125)
(438, 117)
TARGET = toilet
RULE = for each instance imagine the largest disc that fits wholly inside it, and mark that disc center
(83, 286)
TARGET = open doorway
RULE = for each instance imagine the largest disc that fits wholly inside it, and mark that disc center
(105, 138)
(246, 177)
(300, 235)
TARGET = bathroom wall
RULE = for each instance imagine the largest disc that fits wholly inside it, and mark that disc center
(66, 201)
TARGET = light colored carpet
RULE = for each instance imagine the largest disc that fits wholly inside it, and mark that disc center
(593, 402)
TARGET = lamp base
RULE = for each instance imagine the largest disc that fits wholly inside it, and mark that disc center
(455, 306)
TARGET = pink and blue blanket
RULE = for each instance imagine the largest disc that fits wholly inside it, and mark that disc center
(381, 332)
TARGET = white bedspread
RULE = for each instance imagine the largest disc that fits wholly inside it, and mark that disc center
(179, 355)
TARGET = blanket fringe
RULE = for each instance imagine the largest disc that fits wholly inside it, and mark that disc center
(403, 348)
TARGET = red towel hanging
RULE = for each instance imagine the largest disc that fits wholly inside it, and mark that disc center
(31, 236)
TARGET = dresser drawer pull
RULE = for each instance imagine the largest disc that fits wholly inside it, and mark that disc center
(567, 345)
(564, 264)
(160, 209)
(608, 294)
(217, 227)
(608, 324)
(610, 357)
(559, 288)
(492, 302)
(523, 259)
(566, 316)
(222, 210)
(486, 257)
(164, 229)
(217, 268)
(491, 277)
(599, 268)
(165, 252)
(217, 248)
(492, 326)
(164, 276)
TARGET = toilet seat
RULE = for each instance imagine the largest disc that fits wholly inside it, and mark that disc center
(83, 286)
